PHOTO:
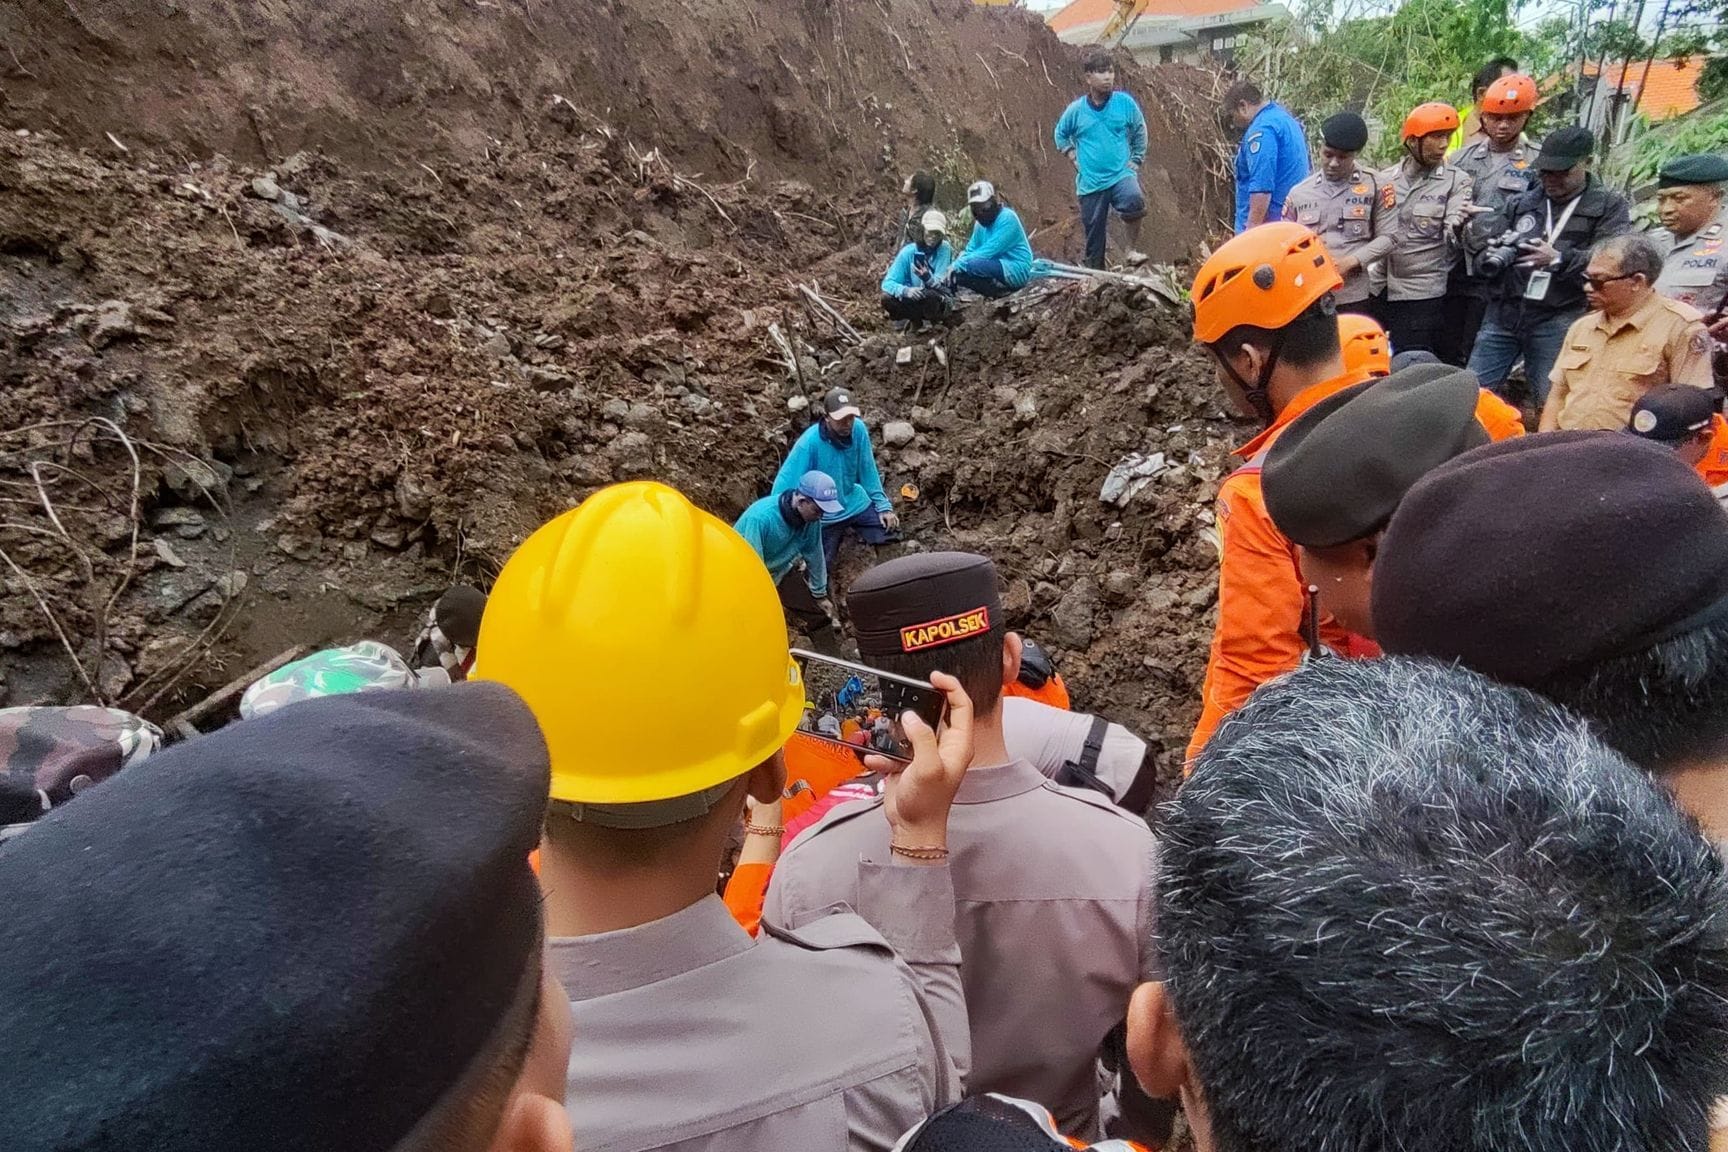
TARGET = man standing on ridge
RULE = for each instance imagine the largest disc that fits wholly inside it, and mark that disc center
(1273, 156)
(1429, 200)
(1104, 134)
(1264, 308)
(1341, 203)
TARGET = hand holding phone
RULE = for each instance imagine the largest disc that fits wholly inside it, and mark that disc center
(918, 795)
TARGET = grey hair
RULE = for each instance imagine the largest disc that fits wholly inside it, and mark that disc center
(1633, 252)
(1404, 907)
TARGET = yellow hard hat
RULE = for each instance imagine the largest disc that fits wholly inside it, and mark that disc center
(648, 640)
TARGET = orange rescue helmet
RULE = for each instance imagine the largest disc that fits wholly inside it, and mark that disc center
(1510, 95)
(1267, 277)
(1425, 119)
(1364, 343)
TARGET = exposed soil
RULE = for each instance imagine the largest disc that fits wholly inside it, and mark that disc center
(383, 292)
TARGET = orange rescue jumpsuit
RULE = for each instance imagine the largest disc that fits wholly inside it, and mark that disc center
(1260, 594)
(1714, 466)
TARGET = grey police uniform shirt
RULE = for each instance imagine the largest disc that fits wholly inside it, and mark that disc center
(1051, 738)
(1427, 210)
(1346, 215)
(1695, 271)
(821, 1033)
(1495, 177)
(1055, 921)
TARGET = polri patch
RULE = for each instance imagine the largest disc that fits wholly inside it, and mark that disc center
(948, 630)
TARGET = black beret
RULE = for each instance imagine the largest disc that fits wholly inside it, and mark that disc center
(1544, 554)
(1565, 148)
(1337, 473)
(1699, 168)
(295, 934)
(1344, 131)
(1673, 412)
(924, 601)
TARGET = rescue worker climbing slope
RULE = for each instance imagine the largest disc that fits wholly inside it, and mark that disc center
(1264, 307)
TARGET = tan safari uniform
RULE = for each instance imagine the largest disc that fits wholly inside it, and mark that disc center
(1428, 208)
(1346, 216)
(1607, 364)
(1054, 888)
(822, 1033)
(1695, 271)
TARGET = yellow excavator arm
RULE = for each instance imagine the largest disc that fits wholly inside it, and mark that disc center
(1119, 20)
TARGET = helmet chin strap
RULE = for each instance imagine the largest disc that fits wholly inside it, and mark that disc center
(1259, 395)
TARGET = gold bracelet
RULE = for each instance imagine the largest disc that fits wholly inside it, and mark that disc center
(919, 853)
(758, 830)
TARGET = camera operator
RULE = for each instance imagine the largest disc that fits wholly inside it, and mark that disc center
(1534, 250)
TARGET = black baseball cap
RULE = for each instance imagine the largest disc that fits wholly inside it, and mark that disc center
(1672, 413)
(1565, 148)
(839, 403)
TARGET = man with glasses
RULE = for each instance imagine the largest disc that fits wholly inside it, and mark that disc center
(1632, 340)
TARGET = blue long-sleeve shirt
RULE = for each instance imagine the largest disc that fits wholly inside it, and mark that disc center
(768, 525)
(1107, 142)
(852, 465)
(1273, 158)
(1002, 239)
(904, 272)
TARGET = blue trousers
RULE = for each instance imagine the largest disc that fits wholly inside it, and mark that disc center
(983, 275)
(1124, 196)
(1500, 343)
(867, 524)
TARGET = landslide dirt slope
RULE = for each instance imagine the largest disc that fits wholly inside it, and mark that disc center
(844, 94)
(356, 372)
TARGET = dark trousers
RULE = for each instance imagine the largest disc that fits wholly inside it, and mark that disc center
(931, 307)
(868, 526)
(1466, 304)
(1363, 307)
(1413, 324)
(801, 607)
(1124, 196)
(983, 276)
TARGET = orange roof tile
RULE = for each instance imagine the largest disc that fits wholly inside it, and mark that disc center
(1082, 12)
(1670, 90)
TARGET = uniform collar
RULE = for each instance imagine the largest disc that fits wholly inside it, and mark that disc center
(1718, 222)
(606, 964)
(1637, 318)
(998, 782)
(1299, 404)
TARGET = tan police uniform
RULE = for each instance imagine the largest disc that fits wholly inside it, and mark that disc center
(1056, 741)
(1695, 270)
(1345, 214)
(1607, 364)
(823, 1033)
(1054, 888)
(1429, 206)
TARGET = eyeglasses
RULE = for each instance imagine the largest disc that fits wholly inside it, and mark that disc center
(1596, 282)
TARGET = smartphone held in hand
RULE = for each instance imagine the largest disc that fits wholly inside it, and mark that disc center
(860, 707)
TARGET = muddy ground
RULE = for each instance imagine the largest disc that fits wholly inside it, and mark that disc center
(257, 399)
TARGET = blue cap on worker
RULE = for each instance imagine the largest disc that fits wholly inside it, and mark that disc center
(820, 487)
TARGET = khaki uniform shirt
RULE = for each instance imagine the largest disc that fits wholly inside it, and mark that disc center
(1495, 177)
(1695, 271)
(1607, 364)
(1055, 891)
(1346, 216)
(1052, 738)
(1428, 209)
(695, 1037)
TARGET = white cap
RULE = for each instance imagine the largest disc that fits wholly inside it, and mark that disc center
(981, 191)
(934, 221)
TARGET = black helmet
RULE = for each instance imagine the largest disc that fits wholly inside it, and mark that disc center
(1036, 667)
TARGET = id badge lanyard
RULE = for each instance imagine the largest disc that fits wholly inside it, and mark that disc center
(1541, 278)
